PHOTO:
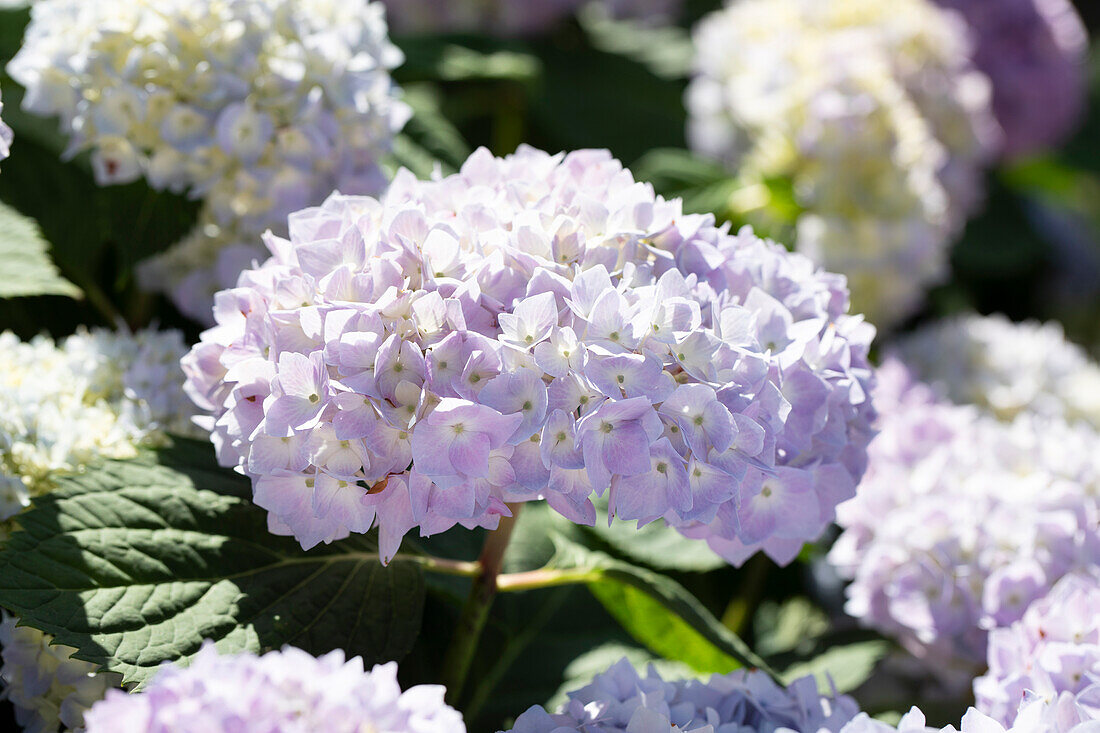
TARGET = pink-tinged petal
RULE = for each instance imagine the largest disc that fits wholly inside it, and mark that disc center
(297, 376)
(469, 453)
(431, 450)
(288, 414)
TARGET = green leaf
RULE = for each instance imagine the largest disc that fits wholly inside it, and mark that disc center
(842, 668)
(25, 265)
(667, 51)
(136, 562)
(786, 627)
(440, 59)
(658, 612)
(431, 129)
(655, 544)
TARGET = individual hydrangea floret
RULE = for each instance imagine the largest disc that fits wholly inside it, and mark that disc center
(963, 520)
(868, 117)
(46, 686)
(537, 326)
(1005, 368)
(94, 394)
(257, 108)
(286, 690)
(1053, 650)
(1034, 52)
(5, 137)
(622, 701)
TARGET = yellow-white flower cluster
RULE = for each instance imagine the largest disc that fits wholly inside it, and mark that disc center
(94, 394)
(872, 113)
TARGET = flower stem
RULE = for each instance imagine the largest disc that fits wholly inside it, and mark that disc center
(460, 654)
(546, 578)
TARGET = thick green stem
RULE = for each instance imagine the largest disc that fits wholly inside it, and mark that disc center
(546, 578)
(475, 613)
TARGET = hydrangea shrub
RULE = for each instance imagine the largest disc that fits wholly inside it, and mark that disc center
(621, 700)
(258, 109)
(286, 691)
(872, 112)
(536, 326)
(963, 520)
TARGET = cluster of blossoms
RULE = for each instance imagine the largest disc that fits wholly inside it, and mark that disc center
(871, 111)
(288, 691)
(258, 108)
(1063, 714)
(962, 520)
(1034, 53)
(5, 137)
(1005, 368)
(533, 327)
(622, 701)
(1053, 650)
(46, 687)
(509, 17)
(94, 394)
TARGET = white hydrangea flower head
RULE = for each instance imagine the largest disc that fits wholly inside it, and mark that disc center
(536, 327)
(871, 111)
(963, 520)
(94, 394)
(288, 691)
(1053, 650)
(46, 686)
(620, 700)
(1005, 368)
(258, 108)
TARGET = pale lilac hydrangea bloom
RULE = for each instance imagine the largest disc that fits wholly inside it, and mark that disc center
(5, 137)
(1063, 714)
(622, 701)
(537, 326)
(874, 115)
(47, 687)
(1005, 368)
(257, 108)
(962, 520)
(1053, 649)
(1034, 52)
(288, 691)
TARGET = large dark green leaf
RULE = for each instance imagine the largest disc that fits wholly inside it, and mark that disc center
(25, 265)
(655, 544)
(136, 562)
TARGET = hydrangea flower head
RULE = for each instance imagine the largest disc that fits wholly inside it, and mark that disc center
(1005, 368)
(288, 690)
(962, 520)
(537, 326)
(1063, 714)
(871, 111)
(258, 108)
(94, 394)
(1053, 650)
(622, 701)
(46, 686)
(1034, 52)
